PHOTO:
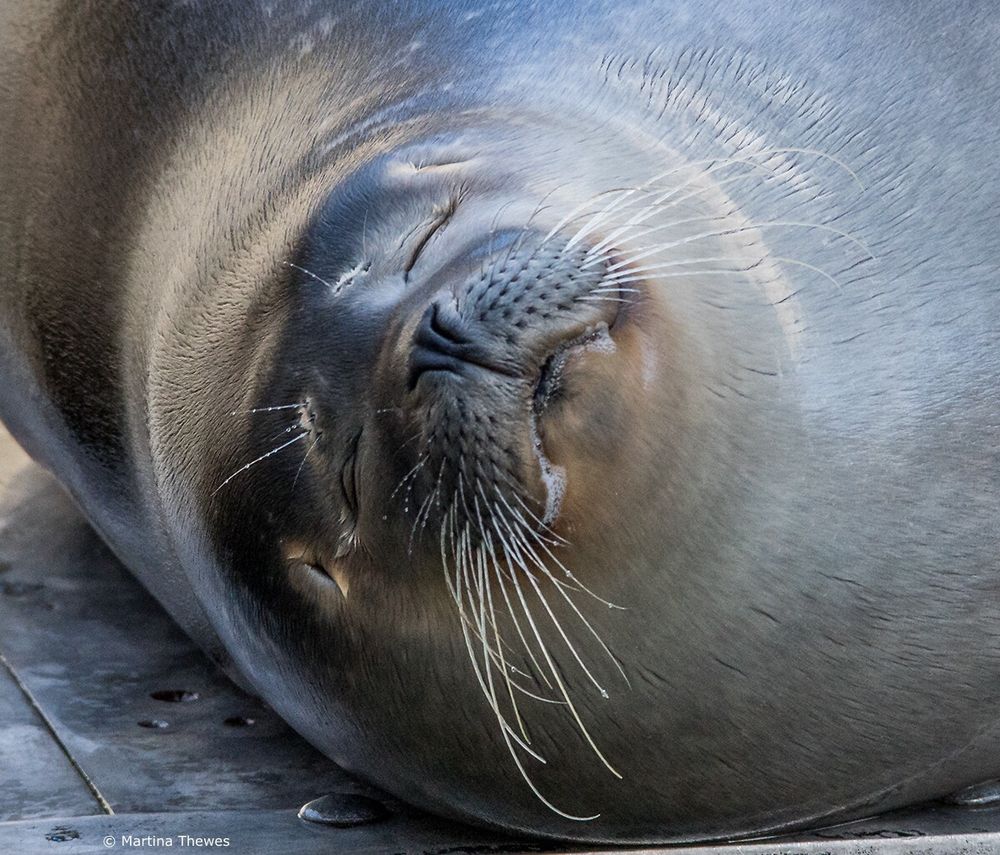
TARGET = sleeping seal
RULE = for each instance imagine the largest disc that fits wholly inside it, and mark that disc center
(580, 420)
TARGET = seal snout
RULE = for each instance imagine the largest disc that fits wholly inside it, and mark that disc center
(490, 352)
(508, 317)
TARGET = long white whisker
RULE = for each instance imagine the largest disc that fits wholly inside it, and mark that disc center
(808, 266)
(665, 265)
(583, 588)
(555, 538)
(628, 192)
(484, 583)
(748, 158)
(310, 274)
(485, 684)
(503, 589)
(552, 668)
(561, 588)
(660, 204)
(688, 273)
(409, 475)
(739, 230)
(305, 456)
(456, 595)
(269, 409)
(246, 466)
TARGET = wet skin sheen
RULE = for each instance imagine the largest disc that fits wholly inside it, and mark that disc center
(579, 419)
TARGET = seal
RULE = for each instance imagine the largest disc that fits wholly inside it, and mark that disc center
(584, 426)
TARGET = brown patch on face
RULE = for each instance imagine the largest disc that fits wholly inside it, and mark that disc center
(611, 427)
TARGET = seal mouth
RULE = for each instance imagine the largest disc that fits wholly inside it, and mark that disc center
(549, 386)
(597, 336)
(495, 340)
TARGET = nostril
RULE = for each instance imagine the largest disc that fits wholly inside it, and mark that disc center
(442, 335)
(444, 342)
(437, 346)
(442, 323)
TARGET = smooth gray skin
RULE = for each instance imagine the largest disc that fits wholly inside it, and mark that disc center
(812, 636)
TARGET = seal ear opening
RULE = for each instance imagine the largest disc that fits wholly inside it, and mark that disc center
(300, 558)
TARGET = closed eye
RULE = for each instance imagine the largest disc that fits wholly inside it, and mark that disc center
(349, 477)
(439, 223)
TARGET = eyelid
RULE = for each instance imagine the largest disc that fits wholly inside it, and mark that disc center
(439, 222)
(349, 476)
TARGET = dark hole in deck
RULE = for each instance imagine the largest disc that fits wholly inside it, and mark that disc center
(174, 696)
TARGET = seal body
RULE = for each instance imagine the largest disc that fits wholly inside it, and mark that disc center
(576, 419)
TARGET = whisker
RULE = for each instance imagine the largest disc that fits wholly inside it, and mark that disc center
(808, 266)
(747, 158)
(553, 670)
(270, 409)
(484, 586)
(668, 225)
(298, 471)
(680, 274)
(586, 299)
(583, 588)
(618, 275)
(310, 274)
(487, 687)
(409, 475)
(456, 594)
(560, 587)
(247, 466)
(743, 229)
(630, 191)
(658, 205)
(503, 589)
(553, 538)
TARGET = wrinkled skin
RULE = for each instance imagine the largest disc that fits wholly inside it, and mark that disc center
(322, 315)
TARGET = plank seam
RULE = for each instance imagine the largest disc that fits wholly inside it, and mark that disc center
(30, 698)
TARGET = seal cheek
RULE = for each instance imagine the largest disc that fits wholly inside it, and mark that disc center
(593, 428)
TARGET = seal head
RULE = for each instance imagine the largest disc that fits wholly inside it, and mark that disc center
(469, 369)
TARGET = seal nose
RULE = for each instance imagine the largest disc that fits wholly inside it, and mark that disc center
(443, 342)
